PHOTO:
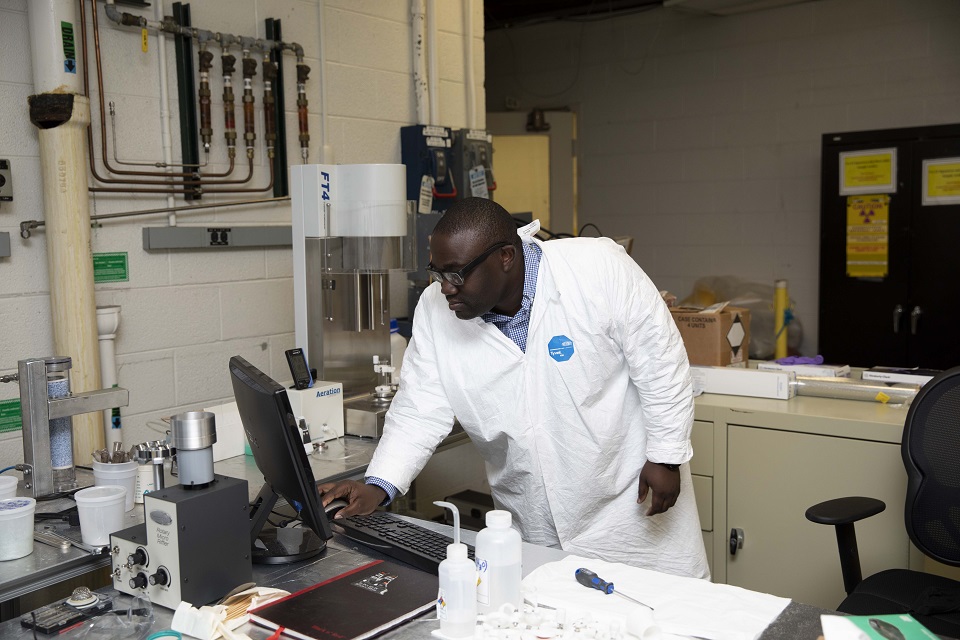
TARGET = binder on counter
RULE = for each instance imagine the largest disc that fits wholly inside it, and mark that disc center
(360, 603)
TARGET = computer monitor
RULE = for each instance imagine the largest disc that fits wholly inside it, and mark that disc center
(277, 448)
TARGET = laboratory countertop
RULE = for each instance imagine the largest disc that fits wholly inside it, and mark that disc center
(797, 622)
(831, 416)
(338, 459)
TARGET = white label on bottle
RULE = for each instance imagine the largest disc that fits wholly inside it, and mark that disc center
(441, 606)
(483, 582)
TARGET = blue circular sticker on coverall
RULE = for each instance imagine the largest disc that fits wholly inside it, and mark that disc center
(560, 348)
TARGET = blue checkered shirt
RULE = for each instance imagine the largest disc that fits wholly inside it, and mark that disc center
(514, 328)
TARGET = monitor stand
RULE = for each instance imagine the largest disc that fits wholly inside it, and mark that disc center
(270, 545)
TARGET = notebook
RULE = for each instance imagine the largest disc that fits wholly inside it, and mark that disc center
(360, 603)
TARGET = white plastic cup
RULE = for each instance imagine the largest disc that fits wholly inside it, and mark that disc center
(8, 487)
(16, 527)
(145, 481)
(101, 512)
(123, 474)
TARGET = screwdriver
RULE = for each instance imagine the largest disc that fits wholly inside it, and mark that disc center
(589, 579)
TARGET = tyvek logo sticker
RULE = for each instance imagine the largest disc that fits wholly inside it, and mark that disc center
(560, 348)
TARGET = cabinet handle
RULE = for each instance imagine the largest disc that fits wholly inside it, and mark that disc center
(915, 319)
(897, 312)
(736, 540)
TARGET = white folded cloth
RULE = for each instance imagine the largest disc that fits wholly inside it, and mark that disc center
(682, 606)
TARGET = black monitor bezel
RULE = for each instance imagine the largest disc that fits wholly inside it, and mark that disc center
(288, 436)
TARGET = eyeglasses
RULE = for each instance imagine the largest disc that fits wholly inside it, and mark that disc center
(456, 278)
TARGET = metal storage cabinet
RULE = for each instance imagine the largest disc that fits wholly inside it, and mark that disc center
(771, 459)
(908, 317)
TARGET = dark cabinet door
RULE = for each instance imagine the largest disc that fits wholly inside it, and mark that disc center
(860, 321)
(933, 316)
(908, 317)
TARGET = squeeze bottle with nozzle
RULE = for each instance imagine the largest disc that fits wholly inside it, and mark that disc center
(498, 563)
(457, 598)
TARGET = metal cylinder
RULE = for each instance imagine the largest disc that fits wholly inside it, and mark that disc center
(61, 429)
(194, 433)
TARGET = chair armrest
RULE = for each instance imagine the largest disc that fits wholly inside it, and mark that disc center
(844, 510)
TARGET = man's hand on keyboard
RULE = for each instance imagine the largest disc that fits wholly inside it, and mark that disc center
(361, 498)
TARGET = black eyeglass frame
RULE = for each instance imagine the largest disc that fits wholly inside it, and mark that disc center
(457, 278)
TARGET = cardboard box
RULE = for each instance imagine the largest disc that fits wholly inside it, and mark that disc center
(715, 339)
(814, 370)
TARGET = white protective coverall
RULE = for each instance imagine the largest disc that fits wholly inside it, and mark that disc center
(566, 427)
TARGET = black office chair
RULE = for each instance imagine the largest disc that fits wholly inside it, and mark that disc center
(931, 455)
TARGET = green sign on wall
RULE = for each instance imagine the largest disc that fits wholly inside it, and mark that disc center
(10, 419)
(110, 267)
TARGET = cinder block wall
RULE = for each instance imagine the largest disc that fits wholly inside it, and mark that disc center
(700, 135)
(185, 313)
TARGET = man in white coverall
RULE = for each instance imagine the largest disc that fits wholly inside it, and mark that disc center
(565, 368)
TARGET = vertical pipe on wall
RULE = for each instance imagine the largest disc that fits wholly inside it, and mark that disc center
(420, 87)
(468, 76)
(53, 29)
(108, 320)
(326, 149)
(433, 67)
(62, 118)
(166, 137)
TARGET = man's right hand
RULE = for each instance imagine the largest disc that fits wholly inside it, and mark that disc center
(361, 498)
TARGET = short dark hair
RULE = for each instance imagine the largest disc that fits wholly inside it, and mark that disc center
(480, 216)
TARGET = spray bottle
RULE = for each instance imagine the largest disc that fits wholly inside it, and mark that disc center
(457, 600)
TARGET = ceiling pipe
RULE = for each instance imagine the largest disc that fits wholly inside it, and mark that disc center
(61, 117)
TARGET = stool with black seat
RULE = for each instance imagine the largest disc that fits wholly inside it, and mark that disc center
(931, 455)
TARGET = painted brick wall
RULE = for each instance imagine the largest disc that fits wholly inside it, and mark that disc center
(700, 135)
(185, 313)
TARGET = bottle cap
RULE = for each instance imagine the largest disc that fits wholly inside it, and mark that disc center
(499, 518)
(456, 551)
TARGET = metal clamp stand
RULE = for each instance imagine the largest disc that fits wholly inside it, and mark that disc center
(38, 409)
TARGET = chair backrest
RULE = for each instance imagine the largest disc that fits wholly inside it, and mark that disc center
(931, 455)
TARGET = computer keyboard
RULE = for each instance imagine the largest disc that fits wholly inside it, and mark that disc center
(393, 536)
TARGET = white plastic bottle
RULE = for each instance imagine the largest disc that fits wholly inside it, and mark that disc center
(398, 345)
(457, 599)
(498, 563)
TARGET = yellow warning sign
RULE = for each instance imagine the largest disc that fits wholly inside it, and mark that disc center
(873, 171)
(941, 181)
(868, 236)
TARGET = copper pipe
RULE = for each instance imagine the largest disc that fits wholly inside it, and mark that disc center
(269, 104)
(249, 121)
(302, 71)
(269, 186)
(229, 114)
(206, 129)
(103, 118)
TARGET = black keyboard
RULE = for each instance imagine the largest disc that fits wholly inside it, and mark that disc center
(393, 536)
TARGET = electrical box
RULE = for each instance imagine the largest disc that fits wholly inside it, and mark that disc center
(427, 152)
(473, 163)
(6, 182)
